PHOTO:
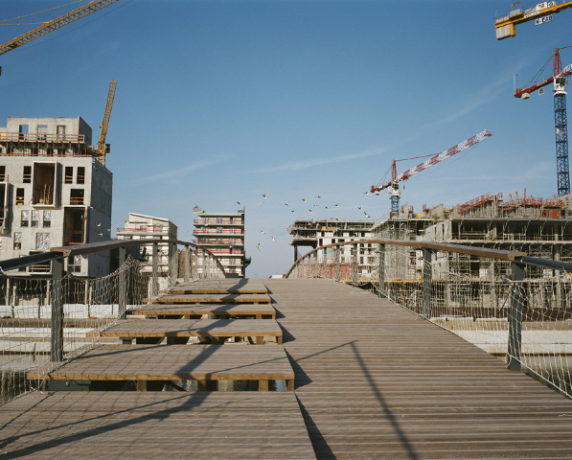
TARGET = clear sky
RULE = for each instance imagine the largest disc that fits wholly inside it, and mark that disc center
(220, 101)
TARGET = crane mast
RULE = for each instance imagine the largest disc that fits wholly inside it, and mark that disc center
(393, 184)
(559, 80)
(102, 148)
(54, 24)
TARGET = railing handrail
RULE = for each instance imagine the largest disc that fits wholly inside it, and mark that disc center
(90, 248)
(500, 254)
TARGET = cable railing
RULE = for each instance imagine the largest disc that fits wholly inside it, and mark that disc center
(47, 320)
(514, 306)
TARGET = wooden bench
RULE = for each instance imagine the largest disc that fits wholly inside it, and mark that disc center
(218, 311)
(183, 329)
(222, 286)
(212, 298)
(145, 364)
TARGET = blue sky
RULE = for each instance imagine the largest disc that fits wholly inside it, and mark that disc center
(221, 101)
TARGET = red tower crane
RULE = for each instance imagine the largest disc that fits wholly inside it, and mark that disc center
(558, 78)
(393, 184)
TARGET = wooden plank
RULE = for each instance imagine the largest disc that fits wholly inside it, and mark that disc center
(216, 328)
(176, 362)
(220, 286)
(212, 298)
(217, 310)
(152, 425)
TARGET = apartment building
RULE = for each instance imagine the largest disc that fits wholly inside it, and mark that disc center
(222, 233)
(53, 192)
(140, 226)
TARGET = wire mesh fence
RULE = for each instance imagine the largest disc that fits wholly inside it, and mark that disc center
(521, 313)
(43, 318)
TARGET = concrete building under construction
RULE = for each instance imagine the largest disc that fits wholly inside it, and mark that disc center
(53, 192)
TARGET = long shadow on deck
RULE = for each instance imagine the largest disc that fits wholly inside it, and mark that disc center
(394, 423)
(186, 402)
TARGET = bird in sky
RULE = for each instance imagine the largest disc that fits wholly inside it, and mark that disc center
(237, 202)
(273, 238)
(262, 231)
(310, 210)
(258, 246)
(326, 207)
(366, 193)
(98, 225)
(360, 208)
(365, 213)
(318, 196)
(304, 200)
(292, 211)
(261, 203)
(337, 205)
(264, 195)
(286, 204)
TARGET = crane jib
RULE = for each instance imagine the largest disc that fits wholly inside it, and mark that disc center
(444, 155)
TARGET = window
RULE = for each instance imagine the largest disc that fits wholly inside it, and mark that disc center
(42, 131)
(25, 218)
(2, 173)
(68, 175)
(76, 196)
(23, 132)
(35, 218)
(47, 219)
(61, 131)
(74, 264)
(42, 241)
(17, 240)
(27, 176)
(19, 197)
(80, 175)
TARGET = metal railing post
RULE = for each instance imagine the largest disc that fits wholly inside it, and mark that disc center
(515, 318)
(324, 264)
(173, 268)
(337, 256)
(187, 263)
(427, 276)
(354, 264)
(122, 297)
(381, 270)
(155, 281)
(316, 265)
(57, 339)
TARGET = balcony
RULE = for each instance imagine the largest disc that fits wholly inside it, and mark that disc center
(43, 137)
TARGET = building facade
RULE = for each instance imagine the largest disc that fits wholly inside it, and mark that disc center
(140, 226)
(53, 192)
(222, 233)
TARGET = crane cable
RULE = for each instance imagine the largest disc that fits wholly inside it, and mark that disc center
(38, 12)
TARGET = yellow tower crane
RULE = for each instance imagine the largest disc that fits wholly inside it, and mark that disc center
(541, 13)
(102, 147)
(54, 24)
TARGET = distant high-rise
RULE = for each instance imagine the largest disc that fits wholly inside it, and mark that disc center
(222, 233)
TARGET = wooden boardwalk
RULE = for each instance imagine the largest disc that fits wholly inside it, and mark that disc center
(372, 380)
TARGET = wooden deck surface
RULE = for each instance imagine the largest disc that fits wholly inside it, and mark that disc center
(146, 363)
(375, 381)
(216, 328)
(212, 298)
(221, 286)
(220, 311)
(159, 425)
(372, 381)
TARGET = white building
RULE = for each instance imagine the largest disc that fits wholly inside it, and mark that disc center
(222, 233)
(140, 226)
